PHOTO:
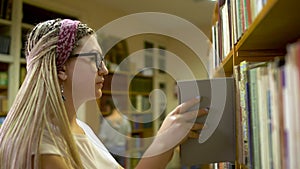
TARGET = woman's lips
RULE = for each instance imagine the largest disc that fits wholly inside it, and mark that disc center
(100, 84)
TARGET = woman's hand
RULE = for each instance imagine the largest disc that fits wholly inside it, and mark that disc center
(177, 127)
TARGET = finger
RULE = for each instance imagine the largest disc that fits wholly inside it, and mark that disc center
(189, 116)
(188, 104)
(197, 126)
(193, 134)
(203, 112)
(192, 115)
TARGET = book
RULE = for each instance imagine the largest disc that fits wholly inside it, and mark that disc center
(244, 107)
(217, 143)
(263, 116)
(275, 113)
(255, 142)
(4, 44)
(239, 130)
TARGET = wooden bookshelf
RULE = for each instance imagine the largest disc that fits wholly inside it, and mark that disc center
(274, 28)
(225, 69)
(12, 26)
(267, 36)
(3, 113)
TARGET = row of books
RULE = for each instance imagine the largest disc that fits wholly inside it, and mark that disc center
(136, 143)
(140, 103)
(234, 18)
(3, 78)
(141, 121)
(3, 105)
(4, 44)
(268, 110)
(224, 165)
(243, 13)
(123, 82)
(221, 165)
(6, 9)
(141, 84)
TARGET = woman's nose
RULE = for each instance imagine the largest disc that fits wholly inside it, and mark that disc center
(103, 70)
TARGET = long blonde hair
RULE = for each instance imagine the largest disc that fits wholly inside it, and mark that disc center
(39, 105)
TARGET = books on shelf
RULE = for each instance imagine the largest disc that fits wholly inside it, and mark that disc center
(140, 103)
(4, 44)
(291, 106)
(3, 78)
(235, 17)
(3, 105)
(22, 74)
(6, 9)
(141, 121)
(269, 101)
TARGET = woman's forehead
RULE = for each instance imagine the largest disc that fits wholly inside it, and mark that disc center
(87, 44)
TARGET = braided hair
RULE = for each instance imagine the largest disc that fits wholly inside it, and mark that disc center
(39, 106)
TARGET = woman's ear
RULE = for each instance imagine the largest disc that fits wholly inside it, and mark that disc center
(62, 74)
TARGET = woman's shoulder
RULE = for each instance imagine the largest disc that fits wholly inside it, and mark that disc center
(91, 134)
(95, 140)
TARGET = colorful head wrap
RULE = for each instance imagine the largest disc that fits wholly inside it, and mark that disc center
(66, 41)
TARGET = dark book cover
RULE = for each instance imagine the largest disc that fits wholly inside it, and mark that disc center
(217, 143)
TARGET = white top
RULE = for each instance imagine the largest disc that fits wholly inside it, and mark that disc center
(93, 153)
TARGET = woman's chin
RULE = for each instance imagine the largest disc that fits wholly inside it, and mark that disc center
(98, 94)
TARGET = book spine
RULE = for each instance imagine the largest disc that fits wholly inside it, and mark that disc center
(254, 119)
(244, 110)
(263, 116)
(275, 113)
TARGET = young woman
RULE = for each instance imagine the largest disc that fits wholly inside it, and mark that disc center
(64, 69)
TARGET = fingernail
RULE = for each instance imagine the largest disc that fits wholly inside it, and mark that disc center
(206, 109)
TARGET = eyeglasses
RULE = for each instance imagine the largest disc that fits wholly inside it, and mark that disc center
(99, 59)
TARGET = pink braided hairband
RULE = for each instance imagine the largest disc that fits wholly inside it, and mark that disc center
(66, 41)
(65, 44)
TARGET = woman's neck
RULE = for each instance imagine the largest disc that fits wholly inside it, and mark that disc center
(71, 112)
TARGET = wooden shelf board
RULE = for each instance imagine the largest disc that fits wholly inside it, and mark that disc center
(115, 92)
(6, 58)
(3, 87)
(139, 93)
(276, 26)
(5, 22)
(141, 113)
(27, 26)
(135, 131)
(23, 60)
(3, 113)
(119, 72)
(259, 55)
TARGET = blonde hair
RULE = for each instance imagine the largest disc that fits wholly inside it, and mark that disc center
(39, 105)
